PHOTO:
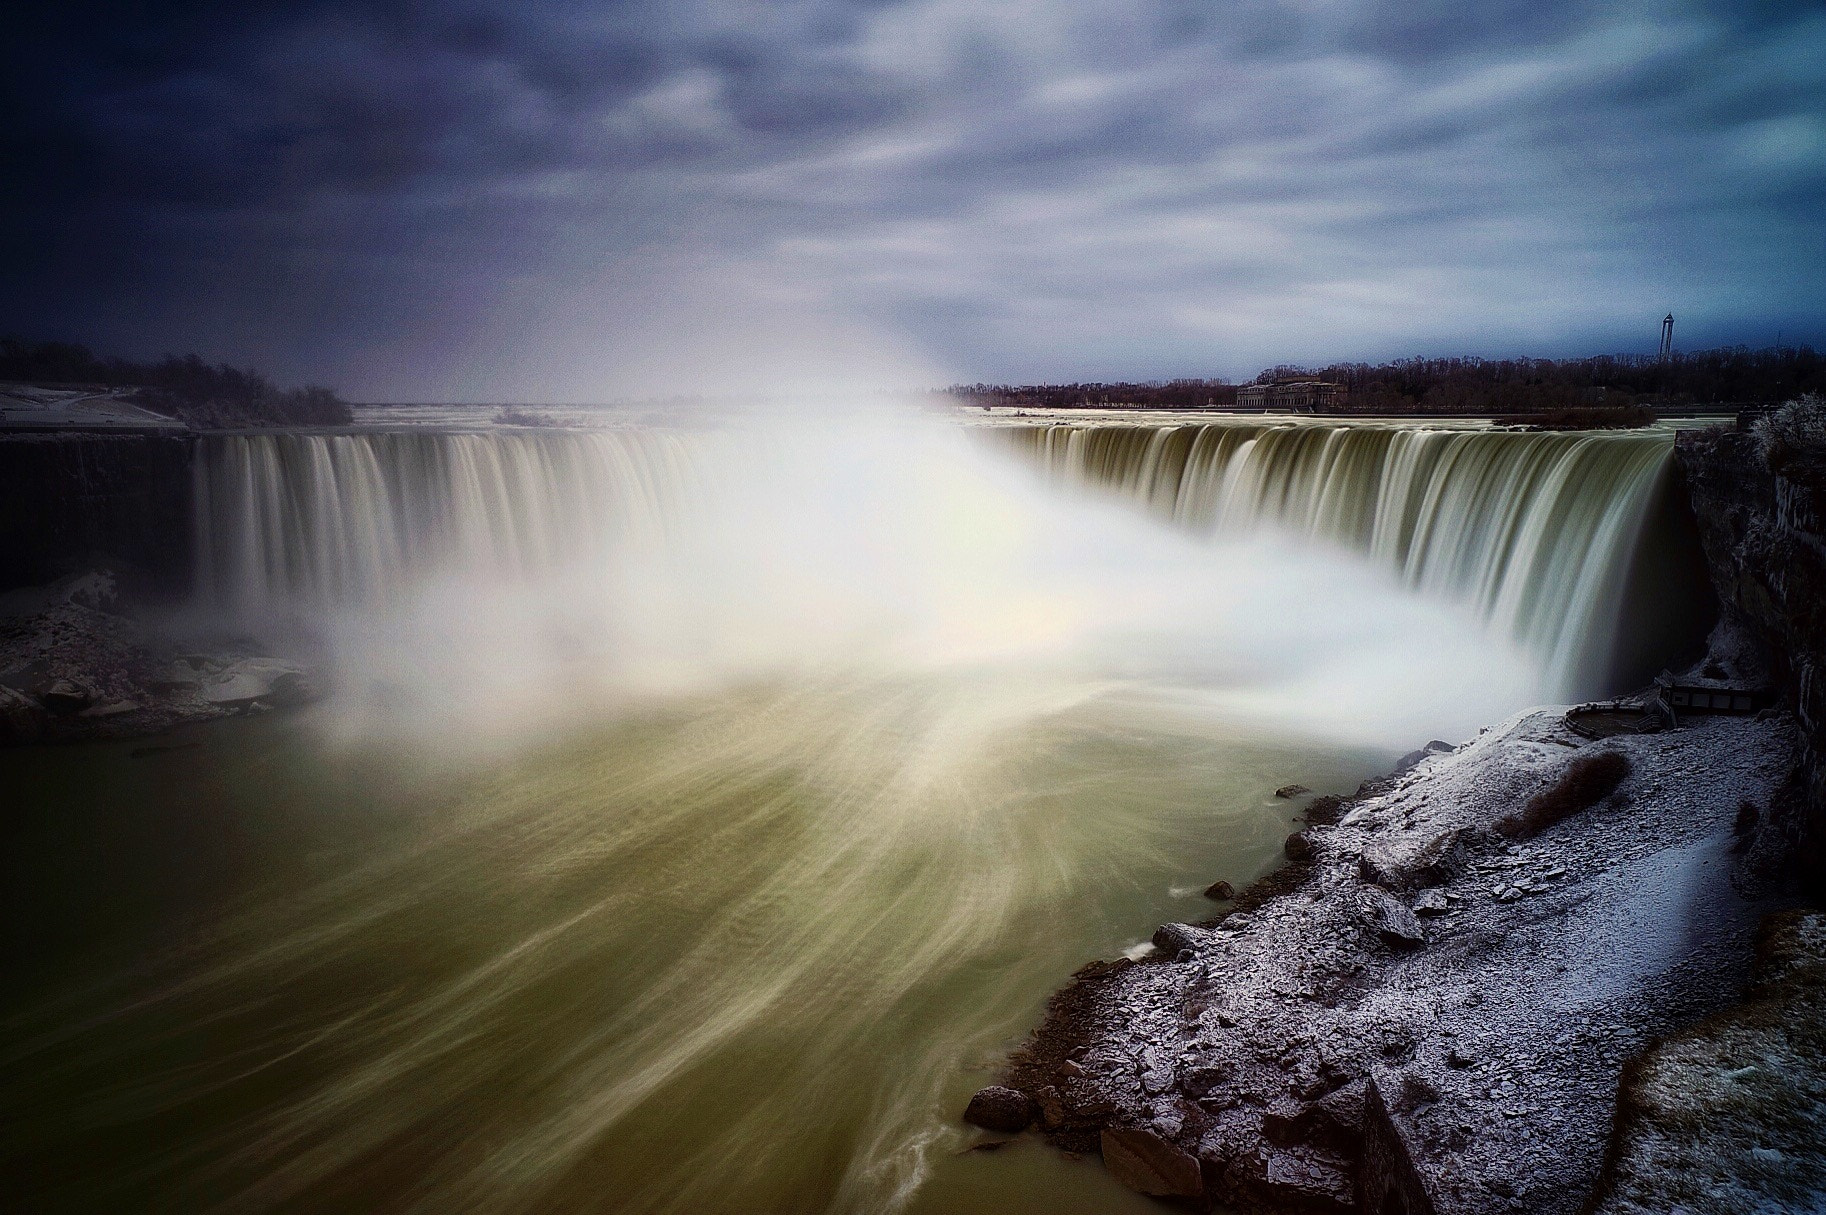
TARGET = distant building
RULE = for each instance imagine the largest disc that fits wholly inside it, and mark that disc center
(1292, 396)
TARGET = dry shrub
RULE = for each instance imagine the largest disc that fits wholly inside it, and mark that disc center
(1586, 781)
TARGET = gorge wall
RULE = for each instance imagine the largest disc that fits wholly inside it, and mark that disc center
(1760, 500)
(75, 499)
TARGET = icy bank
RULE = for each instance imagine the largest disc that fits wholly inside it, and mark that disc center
(1422, 1014)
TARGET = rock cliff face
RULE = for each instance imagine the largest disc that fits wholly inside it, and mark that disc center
(1760, 498)
(74, 499)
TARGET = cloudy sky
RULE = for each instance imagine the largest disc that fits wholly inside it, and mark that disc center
(574, 201)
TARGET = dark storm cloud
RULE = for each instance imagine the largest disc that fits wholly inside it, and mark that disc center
(454, 197)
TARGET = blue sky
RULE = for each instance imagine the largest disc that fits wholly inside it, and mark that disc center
(571, 201)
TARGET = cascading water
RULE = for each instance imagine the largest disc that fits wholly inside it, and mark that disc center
(695, 817)
(1535, 532)
(297, 523)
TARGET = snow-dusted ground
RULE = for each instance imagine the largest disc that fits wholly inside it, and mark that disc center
(77, 662)
(1495, 1041)
(31, 407)
(1729, 1117)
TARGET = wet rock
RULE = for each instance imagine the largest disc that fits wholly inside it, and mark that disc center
(1051, 1106)
(66, 696)
(1001, 1109)
(1175, 939)
(1148, 1164)
(1220, 891)
(113, 708)
(989, 1145)
(1298, 847)
(1291, 791)
(1102, 968)
(1387, 1175)
(1392, 920)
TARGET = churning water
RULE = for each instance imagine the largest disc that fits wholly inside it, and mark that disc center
(695, 817)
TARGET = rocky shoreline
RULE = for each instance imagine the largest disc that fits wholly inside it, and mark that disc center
(1511, 977)
(80, 659)
(1422, 1004)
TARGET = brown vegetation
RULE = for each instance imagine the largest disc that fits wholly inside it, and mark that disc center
(1600, 417)
(1586, 781)
(1148, 394)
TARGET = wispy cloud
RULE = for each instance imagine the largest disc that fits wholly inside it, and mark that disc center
(451, 199)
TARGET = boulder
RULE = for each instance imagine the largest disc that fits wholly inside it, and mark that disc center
(1391, 919)
(1052, 1109)
(1148, 1164)
(1220, 891)
(1290, 791)
(96, 590)
(247, 680)
(1433, 862)
(1200, 1079)
(1175, 939)
(997, 1108)
(1431, 901)
(66, 696)
(1298, 848)
(1413, 758)
(1309, 1181)
(1287, 1122)
(1409, 761)
(1387, 1177)
(1342, 1108)
(291, 690)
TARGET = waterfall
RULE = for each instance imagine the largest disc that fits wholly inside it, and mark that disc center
(1535, 532)
(292, 522)
(690, 814)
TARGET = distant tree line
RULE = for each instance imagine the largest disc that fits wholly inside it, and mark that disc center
(1145, 394)
(181, 386)
(1728, 375)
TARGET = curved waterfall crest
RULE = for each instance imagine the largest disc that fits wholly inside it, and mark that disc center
(1534, 531)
